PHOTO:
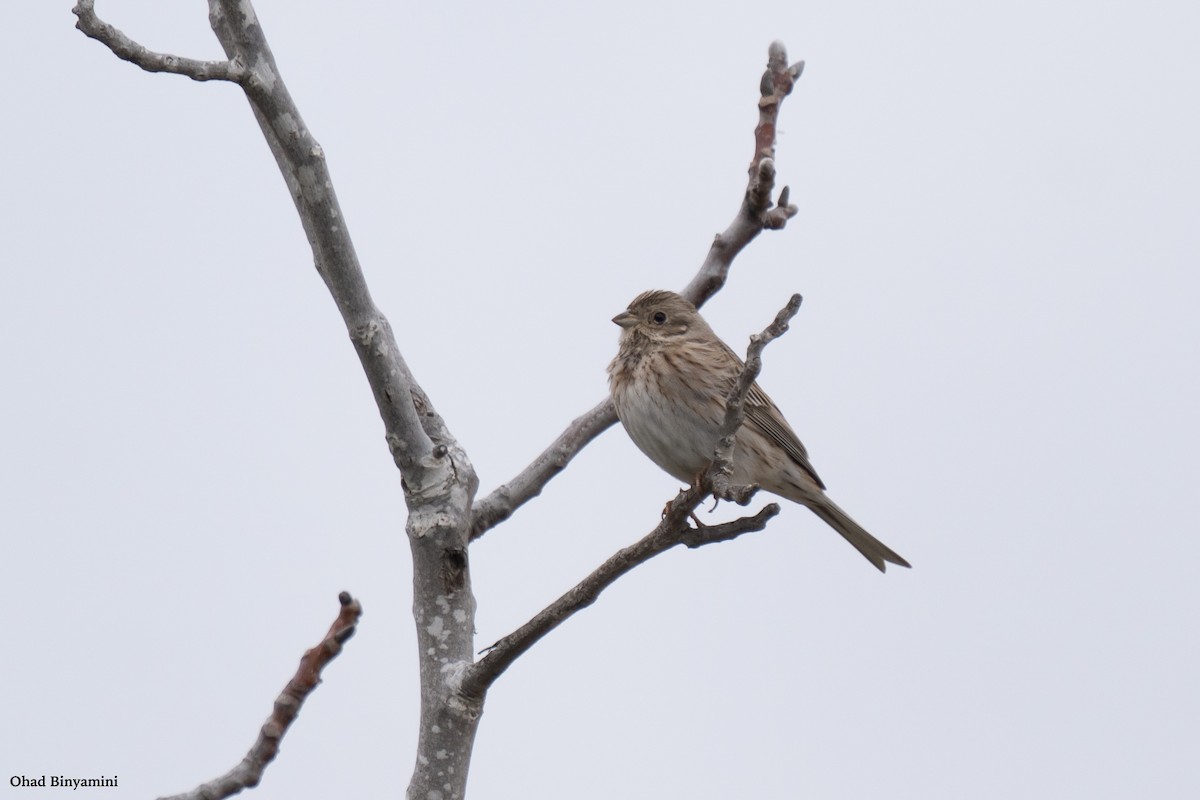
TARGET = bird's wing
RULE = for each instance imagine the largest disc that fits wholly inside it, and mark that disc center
(766, 417)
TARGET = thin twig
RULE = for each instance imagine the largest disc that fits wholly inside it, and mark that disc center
(501, 503)
(735, 405)
(250, 770)
(755, 215)
(127, 49)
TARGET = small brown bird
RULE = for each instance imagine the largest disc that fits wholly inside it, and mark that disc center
(669, 382)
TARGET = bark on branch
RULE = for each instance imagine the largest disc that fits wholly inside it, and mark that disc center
(671, 531)
(250, 770)
(411, 433)
(127, 49)
(756, 214)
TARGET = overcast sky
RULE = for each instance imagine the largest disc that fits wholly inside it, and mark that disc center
(994, 370)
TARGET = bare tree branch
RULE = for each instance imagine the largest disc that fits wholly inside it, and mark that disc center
(671, 531)
(755, 215)
(302, 162)
(249, 771)
(501, 503)
(439, 481)
(127, 49)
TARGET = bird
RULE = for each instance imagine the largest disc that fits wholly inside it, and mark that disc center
(669, 381)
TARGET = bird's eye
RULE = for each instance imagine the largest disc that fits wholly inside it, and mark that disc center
(659, 317)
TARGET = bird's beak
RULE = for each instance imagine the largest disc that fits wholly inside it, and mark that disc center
(625, 320)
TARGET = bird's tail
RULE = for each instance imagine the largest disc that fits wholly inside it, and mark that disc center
(874, 550)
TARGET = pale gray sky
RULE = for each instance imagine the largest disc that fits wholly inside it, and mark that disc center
(994, 370)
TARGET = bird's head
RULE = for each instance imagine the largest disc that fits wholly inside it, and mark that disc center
(659, 316)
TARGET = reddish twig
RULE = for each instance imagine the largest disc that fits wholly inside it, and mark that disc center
(249, 771)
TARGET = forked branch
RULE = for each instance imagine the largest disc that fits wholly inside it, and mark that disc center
(756, 214)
